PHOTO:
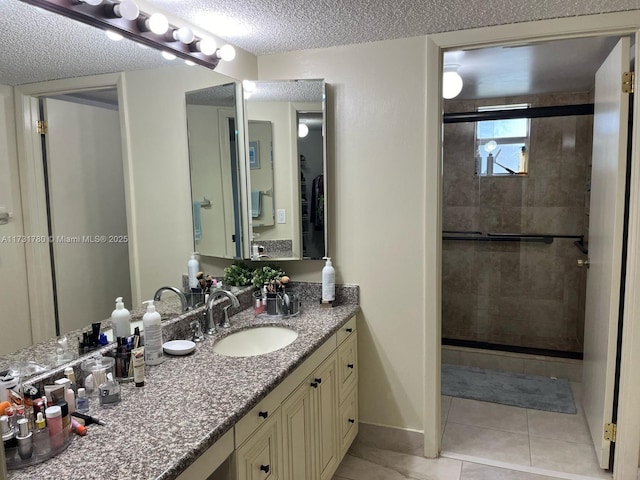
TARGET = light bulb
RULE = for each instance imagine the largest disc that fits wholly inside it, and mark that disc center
(207, 46)
(184, 35)
(93, 3)
(190, 63)
(249, 86)
(158, 24)
(116, 37)
(451, 82)
(168, 56)
(226, 53)
(126, 9)
(303, 130)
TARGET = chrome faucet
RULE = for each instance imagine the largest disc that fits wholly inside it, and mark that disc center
(183, 299)
(210, 326)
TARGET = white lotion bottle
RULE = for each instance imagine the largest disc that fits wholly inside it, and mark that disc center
(328, 281)
(151, 324)
(120, 320)
(193, 267)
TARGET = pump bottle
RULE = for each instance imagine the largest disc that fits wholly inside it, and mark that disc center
(152, 335)
(328, 281)
(120, 320)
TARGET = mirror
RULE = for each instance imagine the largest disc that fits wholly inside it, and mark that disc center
(215, 171)
(295, 110)
(37, 47)
(284, 208)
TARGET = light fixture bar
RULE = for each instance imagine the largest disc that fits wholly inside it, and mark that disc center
(100, 16)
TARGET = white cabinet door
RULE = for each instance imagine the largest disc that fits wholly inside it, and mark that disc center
(260, 457)
(298, 435)
(325, 397)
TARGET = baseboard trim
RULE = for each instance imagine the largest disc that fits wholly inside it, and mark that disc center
(421, 432)
(516, 467)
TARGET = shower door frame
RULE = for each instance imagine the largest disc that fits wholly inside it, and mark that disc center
(628, 440)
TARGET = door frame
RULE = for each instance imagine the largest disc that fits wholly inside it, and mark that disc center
(33, 192)
(628, 443)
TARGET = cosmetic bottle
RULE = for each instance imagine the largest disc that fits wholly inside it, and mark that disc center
(68, 394)
(66, 418)
(120, 320)
(71, 375)
(54, 423)
(328, 281)
(192, 267)
(8, 433)
(41, 436)
(152, 335)
(25, 439)
(82, 402)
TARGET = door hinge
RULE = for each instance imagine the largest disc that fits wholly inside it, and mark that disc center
(628, 80)
(42, 127)
(610, 431)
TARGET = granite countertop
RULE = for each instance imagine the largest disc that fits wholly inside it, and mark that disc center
(188, 403)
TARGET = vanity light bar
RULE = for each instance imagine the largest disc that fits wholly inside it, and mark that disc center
(102, 16)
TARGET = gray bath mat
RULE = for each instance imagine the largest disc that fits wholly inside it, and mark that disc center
(528, 391)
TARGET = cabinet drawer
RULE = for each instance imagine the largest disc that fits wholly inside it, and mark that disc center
(348, 364)
(346, 330)
(348, 421)
(256, 417)
(260, 458)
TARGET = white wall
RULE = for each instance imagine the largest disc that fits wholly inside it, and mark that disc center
(13, 281)
(376, 163)
(159, 172)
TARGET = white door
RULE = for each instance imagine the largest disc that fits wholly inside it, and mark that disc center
(606, 221)
(87, 211)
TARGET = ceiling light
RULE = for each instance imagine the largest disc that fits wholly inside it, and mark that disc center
(184, 35)
(126, 9)
(156, 23)
(207, 46)
(116, 37)
(226, 53)
(168, 55)
(190, 63)
(303, 130)
(451, 82)
(249, 86)
(93, 3)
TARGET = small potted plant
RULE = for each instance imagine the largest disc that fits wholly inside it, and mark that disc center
(267, 274)
(237, 275)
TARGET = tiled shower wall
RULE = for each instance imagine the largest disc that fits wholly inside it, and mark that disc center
(521, 294)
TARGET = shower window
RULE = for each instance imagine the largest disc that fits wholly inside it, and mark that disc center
(500, 143)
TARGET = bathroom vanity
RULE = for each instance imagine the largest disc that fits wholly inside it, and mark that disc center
(288, 414)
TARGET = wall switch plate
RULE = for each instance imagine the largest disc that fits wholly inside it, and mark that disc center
(282, 215)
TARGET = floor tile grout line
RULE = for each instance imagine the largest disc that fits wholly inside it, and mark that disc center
(490, 428)
(529, 437)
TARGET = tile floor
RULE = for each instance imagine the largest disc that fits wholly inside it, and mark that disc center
(480, 441)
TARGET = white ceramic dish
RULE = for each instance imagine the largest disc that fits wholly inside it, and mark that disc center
(179, 347)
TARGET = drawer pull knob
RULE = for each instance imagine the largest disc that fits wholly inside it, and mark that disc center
(314, 384)
(349, 330)
(264, 468)
(350, 365)
(263, 414)
(352, 420)
(317, 380)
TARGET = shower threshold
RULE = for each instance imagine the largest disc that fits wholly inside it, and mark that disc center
(512, 348)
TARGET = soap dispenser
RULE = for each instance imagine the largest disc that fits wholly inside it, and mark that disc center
(151, 323)
(328, 281)
(120, 320)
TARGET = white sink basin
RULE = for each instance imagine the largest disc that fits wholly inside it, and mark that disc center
(255, 341)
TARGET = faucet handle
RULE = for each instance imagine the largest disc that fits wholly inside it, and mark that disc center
(198, 336)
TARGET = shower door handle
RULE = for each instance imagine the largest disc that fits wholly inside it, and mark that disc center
(583, 263)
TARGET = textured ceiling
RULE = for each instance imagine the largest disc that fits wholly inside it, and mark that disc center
(271, 26)
(39, 46)
(293, 91)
